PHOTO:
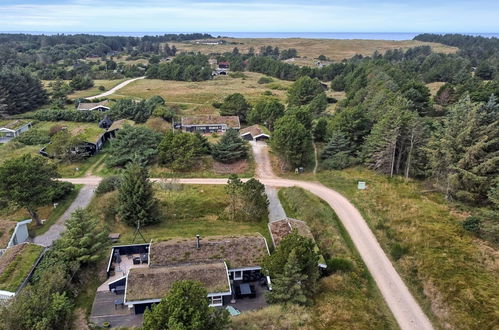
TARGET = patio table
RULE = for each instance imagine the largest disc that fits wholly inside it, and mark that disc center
(245, 289)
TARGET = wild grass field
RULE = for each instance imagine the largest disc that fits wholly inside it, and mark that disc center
(452, 274)
(349, 297)
(198, 97)
(434, 87)
(309, 49)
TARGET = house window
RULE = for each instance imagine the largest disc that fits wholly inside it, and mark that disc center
(238, 275)
(216, 301)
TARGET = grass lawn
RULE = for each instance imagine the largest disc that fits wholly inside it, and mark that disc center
(16, 263)
(348, 298)
(186, 212)
(197, 97)
(309, 49)
(451, 273)
(55, 214)
(78, 169)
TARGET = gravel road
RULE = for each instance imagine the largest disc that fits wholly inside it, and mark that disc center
(114, 89)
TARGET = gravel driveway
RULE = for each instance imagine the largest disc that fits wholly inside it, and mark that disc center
(81, 201)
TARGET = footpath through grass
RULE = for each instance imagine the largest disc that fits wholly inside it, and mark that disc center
(452, 274)
(349, 297)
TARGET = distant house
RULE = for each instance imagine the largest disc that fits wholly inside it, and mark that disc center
(282, 228)
(146, 272)
(23, 258)
(253, 133)
(13, 128)
(222, 69)
(91, 148)
(100, 106)
(209, 124)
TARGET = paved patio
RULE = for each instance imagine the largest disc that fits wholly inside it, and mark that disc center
(249, 304)
(121, 270)
(104, 310)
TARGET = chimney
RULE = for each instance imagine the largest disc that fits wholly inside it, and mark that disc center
(198, 245)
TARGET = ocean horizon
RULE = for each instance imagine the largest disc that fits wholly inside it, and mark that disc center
(280, 35)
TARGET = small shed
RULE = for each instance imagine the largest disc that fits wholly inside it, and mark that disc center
(254, 133)
(99, 106)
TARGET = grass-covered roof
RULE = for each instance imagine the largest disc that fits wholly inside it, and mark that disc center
(236, 251)
(154, 283)
(16, 264)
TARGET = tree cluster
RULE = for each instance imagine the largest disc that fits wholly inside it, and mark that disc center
(20, 91)
(133, 142)
(247, 200)
(183, 67)
(181, 151)
(139, 112)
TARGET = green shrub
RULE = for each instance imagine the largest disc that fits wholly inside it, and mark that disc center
(60, 190)
(397, 251)
(339, 161)
(472, 224)
(339, 265)
(265, 80)
(108, 184)
(68, 115)
(34, 137)
(102, 88)
(237, 75)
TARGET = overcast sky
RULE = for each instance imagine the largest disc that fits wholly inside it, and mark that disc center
(249, 16)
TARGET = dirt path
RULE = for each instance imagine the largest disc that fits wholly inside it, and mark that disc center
(404, 307)
(114, 89)
(82, 200)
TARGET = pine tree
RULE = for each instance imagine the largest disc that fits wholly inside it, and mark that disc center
(381, 145)
(479, 163)
(337, 153)
(288, 288)
(318, 104)
(230, 148)
(320, 130)
(82, 241)
(292, 141)
(136, 202)
(448, 144)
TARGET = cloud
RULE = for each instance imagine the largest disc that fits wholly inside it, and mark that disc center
(256, 15)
